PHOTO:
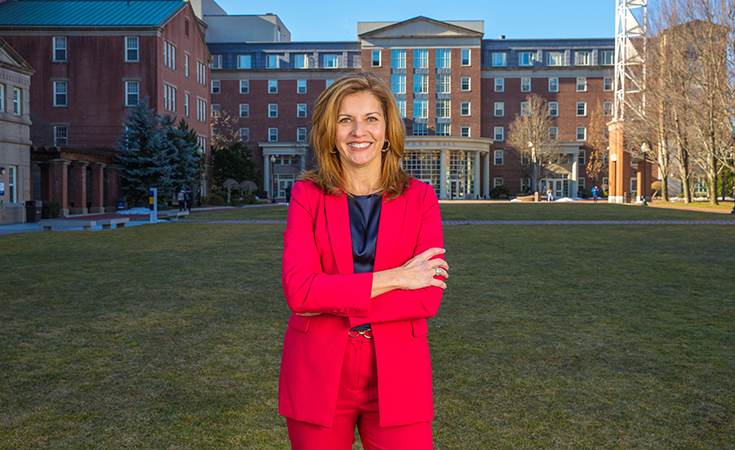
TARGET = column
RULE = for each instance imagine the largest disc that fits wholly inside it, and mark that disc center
(46, 193)
(267, 182)
(574, 182)
(643, 182)
(486, 177)
(59, 181)
(443, 175)
(477, 175)
(80, 187)
(113, 188)
(303, 161)
(98, 188)
(619, 178)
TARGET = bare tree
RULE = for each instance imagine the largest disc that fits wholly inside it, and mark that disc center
(530, 135)
(230, 185)
(596, 144)
(225, 131)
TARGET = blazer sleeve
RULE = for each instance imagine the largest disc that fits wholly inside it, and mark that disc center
(402, 304)
(308, 289)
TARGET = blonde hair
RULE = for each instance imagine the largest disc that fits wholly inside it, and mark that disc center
(328, 176)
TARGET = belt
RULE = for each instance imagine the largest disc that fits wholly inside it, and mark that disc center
(367, 334)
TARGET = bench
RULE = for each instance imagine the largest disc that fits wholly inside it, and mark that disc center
(173, 215)
(50, 224)
(107, 224)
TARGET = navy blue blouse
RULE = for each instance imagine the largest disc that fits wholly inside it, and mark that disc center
(364, 220)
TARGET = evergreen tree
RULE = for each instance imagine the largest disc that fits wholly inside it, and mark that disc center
(235, 162)
(188, 167)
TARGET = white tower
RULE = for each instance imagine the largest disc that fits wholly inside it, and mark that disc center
(631, 23)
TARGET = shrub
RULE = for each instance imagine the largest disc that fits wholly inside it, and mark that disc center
(234, 201)
(50, 210)
(585, 193)
(215, 200)
(680, 196)
(498, 190)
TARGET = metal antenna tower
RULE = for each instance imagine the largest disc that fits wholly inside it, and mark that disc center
(630, 67)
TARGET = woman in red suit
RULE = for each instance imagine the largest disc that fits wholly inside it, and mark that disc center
(363, 267)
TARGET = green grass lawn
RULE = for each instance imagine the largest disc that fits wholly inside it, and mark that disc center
(549, 337)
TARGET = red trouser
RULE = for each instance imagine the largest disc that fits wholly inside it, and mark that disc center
(357, 404)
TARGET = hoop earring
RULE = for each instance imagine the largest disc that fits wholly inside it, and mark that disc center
(386, 145)
(333, 150)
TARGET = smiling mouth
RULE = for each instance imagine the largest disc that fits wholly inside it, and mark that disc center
(359, 145)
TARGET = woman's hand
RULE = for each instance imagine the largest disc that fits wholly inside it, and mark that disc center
(419, 271)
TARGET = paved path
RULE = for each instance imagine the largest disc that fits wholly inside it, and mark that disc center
(520, 222)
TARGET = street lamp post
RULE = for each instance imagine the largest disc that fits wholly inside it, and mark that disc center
(273, 179)
(642, 165)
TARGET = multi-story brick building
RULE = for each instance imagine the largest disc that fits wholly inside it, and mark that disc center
(93, 61)
(457, 91)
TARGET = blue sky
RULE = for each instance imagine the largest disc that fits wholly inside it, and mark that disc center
(319, 20)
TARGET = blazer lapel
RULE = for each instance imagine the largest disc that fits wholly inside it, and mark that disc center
(338, 225)
(391, 222)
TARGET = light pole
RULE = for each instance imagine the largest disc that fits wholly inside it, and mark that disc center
(642, 165)
(273, 179)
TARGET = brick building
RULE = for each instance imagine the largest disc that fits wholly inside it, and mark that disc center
(93, 61)
(457, 91)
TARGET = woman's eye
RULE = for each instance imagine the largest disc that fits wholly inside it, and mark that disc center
(344, 120)
(372, 119)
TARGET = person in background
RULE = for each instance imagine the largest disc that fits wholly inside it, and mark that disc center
(549, 195)
(595, 193)
(362, 270)
(182, 200)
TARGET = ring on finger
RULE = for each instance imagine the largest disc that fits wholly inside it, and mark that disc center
(438, 271)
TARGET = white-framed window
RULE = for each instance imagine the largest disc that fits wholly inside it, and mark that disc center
(273, 86)
(216, 61)
(215, 87)
(499, 157)
(272, 110)
(443, 109)
(201, 73)
(499, 59)
(525, 85)
(498, 133)
(376, 60)
(605, 183)
(553, 133)
(581, 109)
(553, 84)
(186, 104)
(398, 83)
(272, 134)
(132, 93)
(301, 134)
(60, 93)
(245, 134)
(465, 57)
(443, 129)
(201, 110)
(525, 58)
(272, 61)
(553, 109)
(497, 181)
(500, 85)
(202, 141)
(420, 84)
(301, 110)
(59, 49)
(607, 108)
(13, 184)
(420, 109)
(607, 57)
(443, 58)
(331, 61)
(301, 86)
(401, 108)
(554, 59)
(581, 133)
(464, 84)
(581, 84)
(420, 129)
(186, 64)
(244, 110)
(169, 55)
(244, 86)
(301, 62)
(61, 136)
(2, 98)
(525, 109)
(499, 109)
(582, 58)
(169, 98)
(525, 185)
(443, 83)
(581, 182)
(607, 84)
(398, 59)
(216, 109)
(244, 61)
(421, 59)
(131, 49)
(582, 158)
(464, 109)
(464, 131)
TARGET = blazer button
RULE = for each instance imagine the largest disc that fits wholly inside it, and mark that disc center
(353, 312)
(334, 311)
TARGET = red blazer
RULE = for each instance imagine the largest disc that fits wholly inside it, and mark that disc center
(318, 277)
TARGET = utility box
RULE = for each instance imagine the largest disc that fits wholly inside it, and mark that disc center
(33, 211)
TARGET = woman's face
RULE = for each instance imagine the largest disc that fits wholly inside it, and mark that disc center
(360, 132)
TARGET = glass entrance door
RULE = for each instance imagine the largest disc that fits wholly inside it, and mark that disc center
(283, 182)
(558, 188)
(456, 189)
